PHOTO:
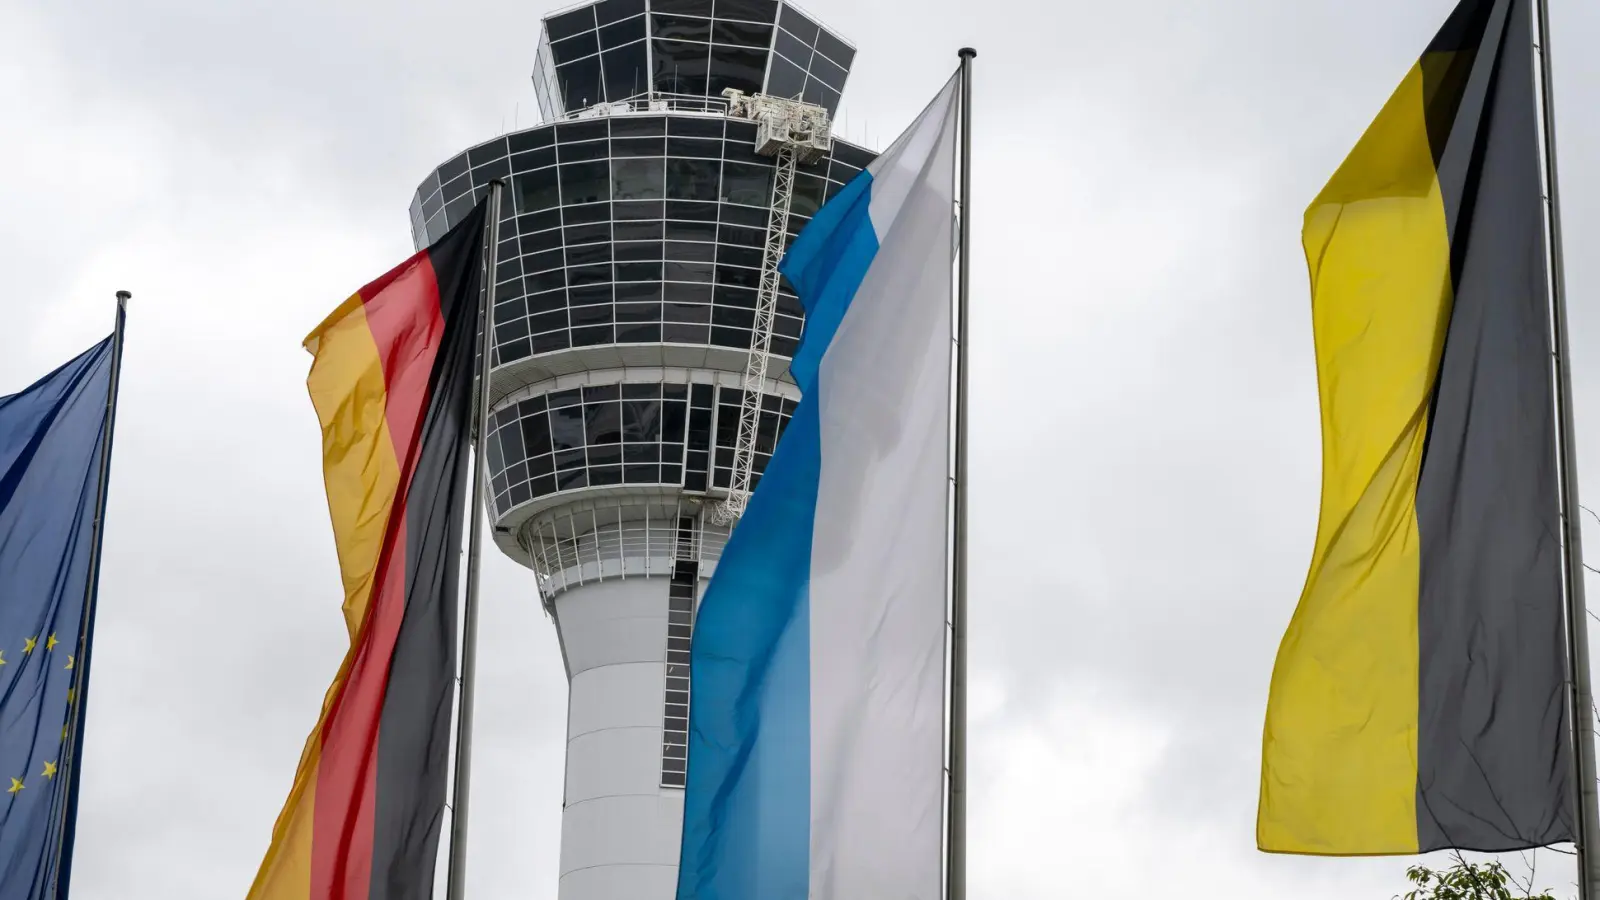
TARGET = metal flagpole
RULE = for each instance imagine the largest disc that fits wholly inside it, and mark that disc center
(74, 742)
(1580, 694)
(956, 839)
(457, 878)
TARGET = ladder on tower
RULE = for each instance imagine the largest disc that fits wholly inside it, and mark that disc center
(794, 132)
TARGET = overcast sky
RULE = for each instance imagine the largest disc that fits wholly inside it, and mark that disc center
(1145, 442)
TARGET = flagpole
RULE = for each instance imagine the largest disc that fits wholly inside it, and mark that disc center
(80, 675)
(1580, 694)
(956, 839)
(456, 884)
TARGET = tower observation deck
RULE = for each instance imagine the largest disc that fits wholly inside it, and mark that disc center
(642, 338)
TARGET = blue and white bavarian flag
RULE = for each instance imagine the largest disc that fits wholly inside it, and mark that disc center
(816, 719)
(51, 436)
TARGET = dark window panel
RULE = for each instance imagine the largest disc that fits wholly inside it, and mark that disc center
(685, 334)
(539, 262)
(732, 338)
(580, 82)
(680, 28)
(646, 126)
(516, 308)
(561, 399)
(616, 10)
(737, 149)
(540, 466)
(695, 127)
(738, 277)
(694, 147)
(686, 313)
(787, 326)
(730, 317)
(510, 435)
(569, 24)
(574, 48)
(487, 153)
(453, 169)
(589, 254)
(536, 434)
(456, 188)
(639, 333)
(638, 179)
(546, 284)
(584, 152)
(690, 211)
(593, 337)
(786, 79)
(692, 231)
(790, 306)
(852, 155)
(605, 476)
(598, 392)
(622, 33)
(638, 231)
(635, 474)
(749, 257)
(550, 343)
(638, 147)
(831, 73)
(566, 435)
(736, 68)
(583, 316)
(784, 348)
(588, 234)
(627, 69)
(701, 397)
(577, 132)
(639, 210)
(809, 194)
(587, 213)
(457, 209)
(572, 480)
(531, 139)
(507, 269)
(650, 271)
(675, 391)
(590, 294)
(692, 179)
(641, 422)
(741, 237)
(555, 320)
(820, 94)
(639, 293)
(533, 159)
(829, 45)
(638, 312)
(688, 251)
(693, 482)
(521, 494)
(683, 292)
(533, 405)
(741, 34)
(748, 10)
(431, 205)
(698, 273)
(743, 298)
(641, 392)
(844, 174)
(681, 67)
(585, 276)
(802, 27)
(745, 215)
(688, 7)
(638, 251)
(543, 220)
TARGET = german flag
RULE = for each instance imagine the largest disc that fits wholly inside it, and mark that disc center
(392, 385)
(1419, 701)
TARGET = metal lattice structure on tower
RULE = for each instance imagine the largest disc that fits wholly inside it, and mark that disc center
(792, 131)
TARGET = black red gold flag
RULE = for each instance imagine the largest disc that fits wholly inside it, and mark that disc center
(392, 385)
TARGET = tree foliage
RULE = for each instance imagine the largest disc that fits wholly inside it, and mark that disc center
(1468, 881)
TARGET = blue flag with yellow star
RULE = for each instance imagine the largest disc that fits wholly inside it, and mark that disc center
(51, 439)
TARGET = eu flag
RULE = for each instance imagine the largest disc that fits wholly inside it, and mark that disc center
(51, 440)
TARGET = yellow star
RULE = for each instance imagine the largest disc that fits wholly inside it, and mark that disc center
(31, 643)
(69, 660)
(2, 657)
(49, 770)
(16, 786)
(63, 732)
(51, 643)
(71, 693)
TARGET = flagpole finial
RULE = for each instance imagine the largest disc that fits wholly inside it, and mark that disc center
(967, 53)
(124, 296)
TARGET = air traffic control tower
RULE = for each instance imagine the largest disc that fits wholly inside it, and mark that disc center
(641, 371)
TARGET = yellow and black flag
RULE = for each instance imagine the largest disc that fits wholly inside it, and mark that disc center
(1418, 701)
